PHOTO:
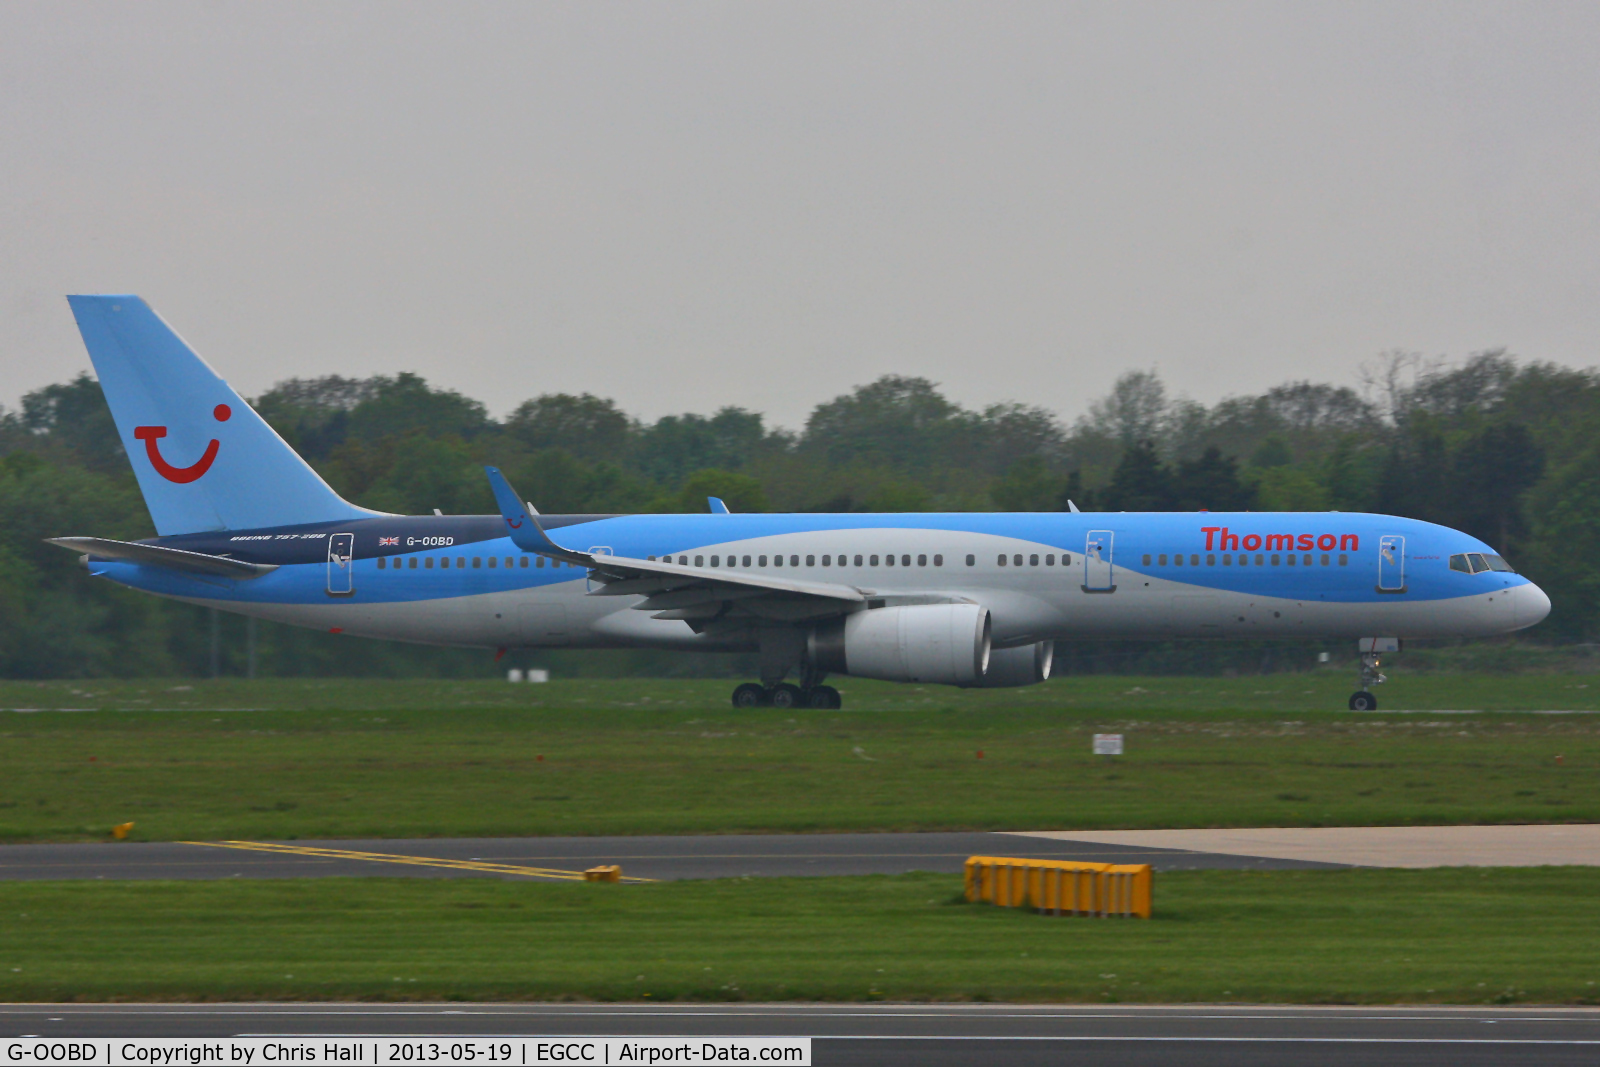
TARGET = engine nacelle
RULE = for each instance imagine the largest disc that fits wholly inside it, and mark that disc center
(1011, 667)
(944, 643)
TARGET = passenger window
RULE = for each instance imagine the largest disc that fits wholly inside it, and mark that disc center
(1211, 560)
(683, 561)
(382, 563)
(1260, 560)
(477, 561)
(1033, 560)
(1162, 559)
(811, 561)
(1066, 559)
(699, 561)
(538, 561)
(461, 562)
(777, 561)
(716, 561)
(938, 561)
(858, 560)
(524, 562)
(1017, 559)
(444, 561)
(1244, 560)
(1307, 559)
(1274, 560)
(762, 560)
(1325, 559)
(1227, 559)
(888, 561)
(1050, 560)
(427, 564)
(905, 561)
(1194, 559)
(922, 561)
(494, 562)
(1344, 560)
(747, 561)
(1177, 561)
(971, 559)
(1147, 559)
(827, 561)
(1479, 564)
(1002, 559)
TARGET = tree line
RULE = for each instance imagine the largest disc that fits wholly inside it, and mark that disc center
(1506, 450)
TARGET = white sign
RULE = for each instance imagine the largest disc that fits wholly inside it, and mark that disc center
(1108, 744)
(375, 1052)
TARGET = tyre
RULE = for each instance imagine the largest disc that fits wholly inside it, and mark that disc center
(1363, 701)
(785, 696)
(749, 695)
(827, 698)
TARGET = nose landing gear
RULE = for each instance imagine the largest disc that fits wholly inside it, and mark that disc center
(1362, 699)
(784, 695)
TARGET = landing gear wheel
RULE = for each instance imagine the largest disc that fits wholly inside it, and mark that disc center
(749, 695)
(1363, 701)
(785, 696)
(827, 698)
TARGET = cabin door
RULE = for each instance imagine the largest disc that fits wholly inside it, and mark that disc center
(1098, 576)
(341, 564)
(1391, 564)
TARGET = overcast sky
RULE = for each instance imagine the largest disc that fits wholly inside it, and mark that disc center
(683, 206)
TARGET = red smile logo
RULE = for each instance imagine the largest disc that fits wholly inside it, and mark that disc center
(182, 475)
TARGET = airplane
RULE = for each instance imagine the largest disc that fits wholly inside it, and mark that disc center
(964, 599)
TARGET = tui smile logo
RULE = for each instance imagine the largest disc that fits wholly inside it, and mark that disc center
(182, 475)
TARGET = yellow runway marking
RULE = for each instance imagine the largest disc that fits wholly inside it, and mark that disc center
(414, 861)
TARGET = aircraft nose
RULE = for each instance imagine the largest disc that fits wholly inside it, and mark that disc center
(1532, 605)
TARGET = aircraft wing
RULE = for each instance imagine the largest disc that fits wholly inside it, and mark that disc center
(673, 590)
(157, 556)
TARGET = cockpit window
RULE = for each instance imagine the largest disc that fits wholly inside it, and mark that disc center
(1478, 562)
(1498, 563)
(1458, 562)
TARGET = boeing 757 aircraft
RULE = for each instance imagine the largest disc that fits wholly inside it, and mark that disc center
(967, 599)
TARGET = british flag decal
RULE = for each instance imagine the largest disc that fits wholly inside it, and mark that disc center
(388, 541)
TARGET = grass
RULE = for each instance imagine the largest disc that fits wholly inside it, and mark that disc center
(1356, 936)
(403, 759)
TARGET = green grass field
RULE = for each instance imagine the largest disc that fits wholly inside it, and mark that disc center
(317, 759)
(1358, 936)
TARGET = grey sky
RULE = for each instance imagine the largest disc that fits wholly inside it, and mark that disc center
(685, 206)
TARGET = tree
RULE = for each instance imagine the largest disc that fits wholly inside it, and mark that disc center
(1141, 482)
(1211, 483)
(584, 425)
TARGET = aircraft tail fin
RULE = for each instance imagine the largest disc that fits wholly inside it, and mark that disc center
(204, 459)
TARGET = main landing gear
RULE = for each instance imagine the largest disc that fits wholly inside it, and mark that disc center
(1362, 699)
(784, 695)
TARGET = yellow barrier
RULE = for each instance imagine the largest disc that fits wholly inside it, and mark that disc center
(606, 872)
(1061, 887)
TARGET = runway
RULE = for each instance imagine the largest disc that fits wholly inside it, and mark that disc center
(921, 1034)
(560, 858)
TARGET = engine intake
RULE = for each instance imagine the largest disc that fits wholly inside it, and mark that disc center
(943, 643)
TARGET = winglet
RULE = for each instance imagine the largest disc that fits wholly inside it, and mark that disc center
(717, 506)
(523, 528)
(1072, 507)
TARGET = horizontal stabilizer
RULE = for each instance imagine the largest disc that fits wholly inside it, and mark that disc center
(155, 556)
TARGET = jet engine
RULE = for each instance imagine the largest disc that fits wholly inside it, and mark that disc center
(945, 643)
(1011, 667)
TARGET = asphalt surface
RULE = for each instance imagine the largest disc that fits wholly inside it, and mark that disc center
(666, 858)
(906, 1034)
